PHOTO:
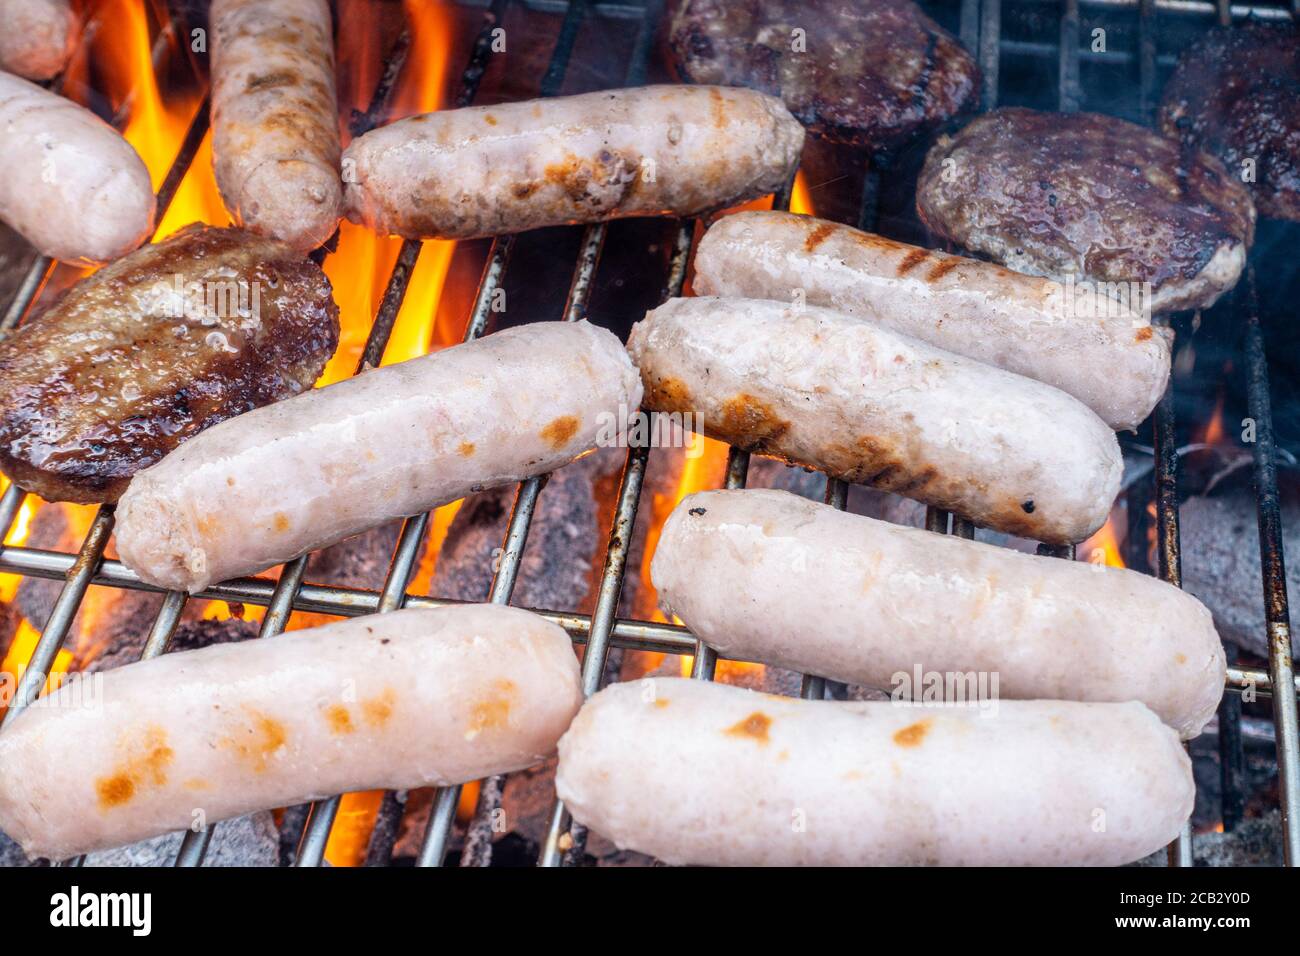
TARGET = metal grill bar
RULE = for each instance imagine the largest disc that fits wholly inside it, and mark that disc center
(1276, 607)
(478, 839)
(1068, 73)
(554, 851)
(1167, 551)
(628, 633)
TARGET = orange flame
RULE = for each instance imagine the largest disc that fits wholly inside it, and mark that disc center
(801, 197)
(1103, 548)
(1214, 431)
(23, 643)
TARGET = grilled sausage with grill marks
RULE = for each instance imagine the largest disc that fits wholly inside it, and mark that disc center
(1236, 94)
(869, 405)
(72, 186)
(302, 474)
(486, 170)
(275, 135)
(1090, 345)
(1090, 197)
(868, 72)
(696, 772)
(149, 351)
(36, 37)
(414, 698)
(768, 576)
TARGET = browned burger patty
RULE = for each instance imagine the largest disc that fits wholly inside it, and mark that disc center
(152, 349)
(1093, 197)
(1236, 94)
(869, 72)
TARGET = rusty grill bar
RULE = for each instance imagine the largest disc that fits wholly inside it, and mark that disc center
(980, 30)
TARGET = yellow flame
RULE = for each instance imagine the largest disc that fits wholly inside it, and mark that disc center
(1104, 546)
(800, 197)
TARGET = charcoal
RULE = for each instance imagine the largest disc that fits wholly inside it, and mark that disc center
(11, 854)
(291, 827)
(357, 562)
(410, 832)
(252, 840)
(1221, 564)
(189, 636)
(1256, 842)
(565, 553)
(557, 570)
(16, 255)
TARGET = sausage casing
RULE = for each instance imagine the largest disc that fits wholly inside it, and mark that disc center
(279, 481)
(869, 405)
(1086, 344)
(768, 576)
(649, 151)
(694, 772)
(36, 37)
(73, 187)
(275, 135)
(408, 699)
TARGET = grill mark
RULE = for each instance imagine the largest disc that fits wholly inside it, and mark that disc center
(921, 88)
(942, 269)
(818, 236)
(912, 260)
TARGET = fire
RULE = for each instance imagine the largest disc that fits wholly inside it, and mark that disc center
(1103, 548)
(122, 51)
(19, 655)
(17, 536)
(800, 197)
(1214, 431)
(698, 474)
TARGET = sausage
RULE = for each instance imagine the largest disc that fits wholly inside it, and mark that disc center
(414, 698)
(73, 187)
(257, 490)
(36, 37)
(655, 150)
(768, 576)
(869, 405)
(275, 134)
(693, 772)
(1083, 342)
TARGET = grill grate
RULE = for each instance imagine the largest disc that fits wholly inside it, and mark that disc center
(980, 30)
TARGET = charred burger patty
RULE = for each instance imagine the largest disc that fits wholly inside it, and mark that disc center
(1093, 197)
(152, 349)
(1236, 94)
(868, 72)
